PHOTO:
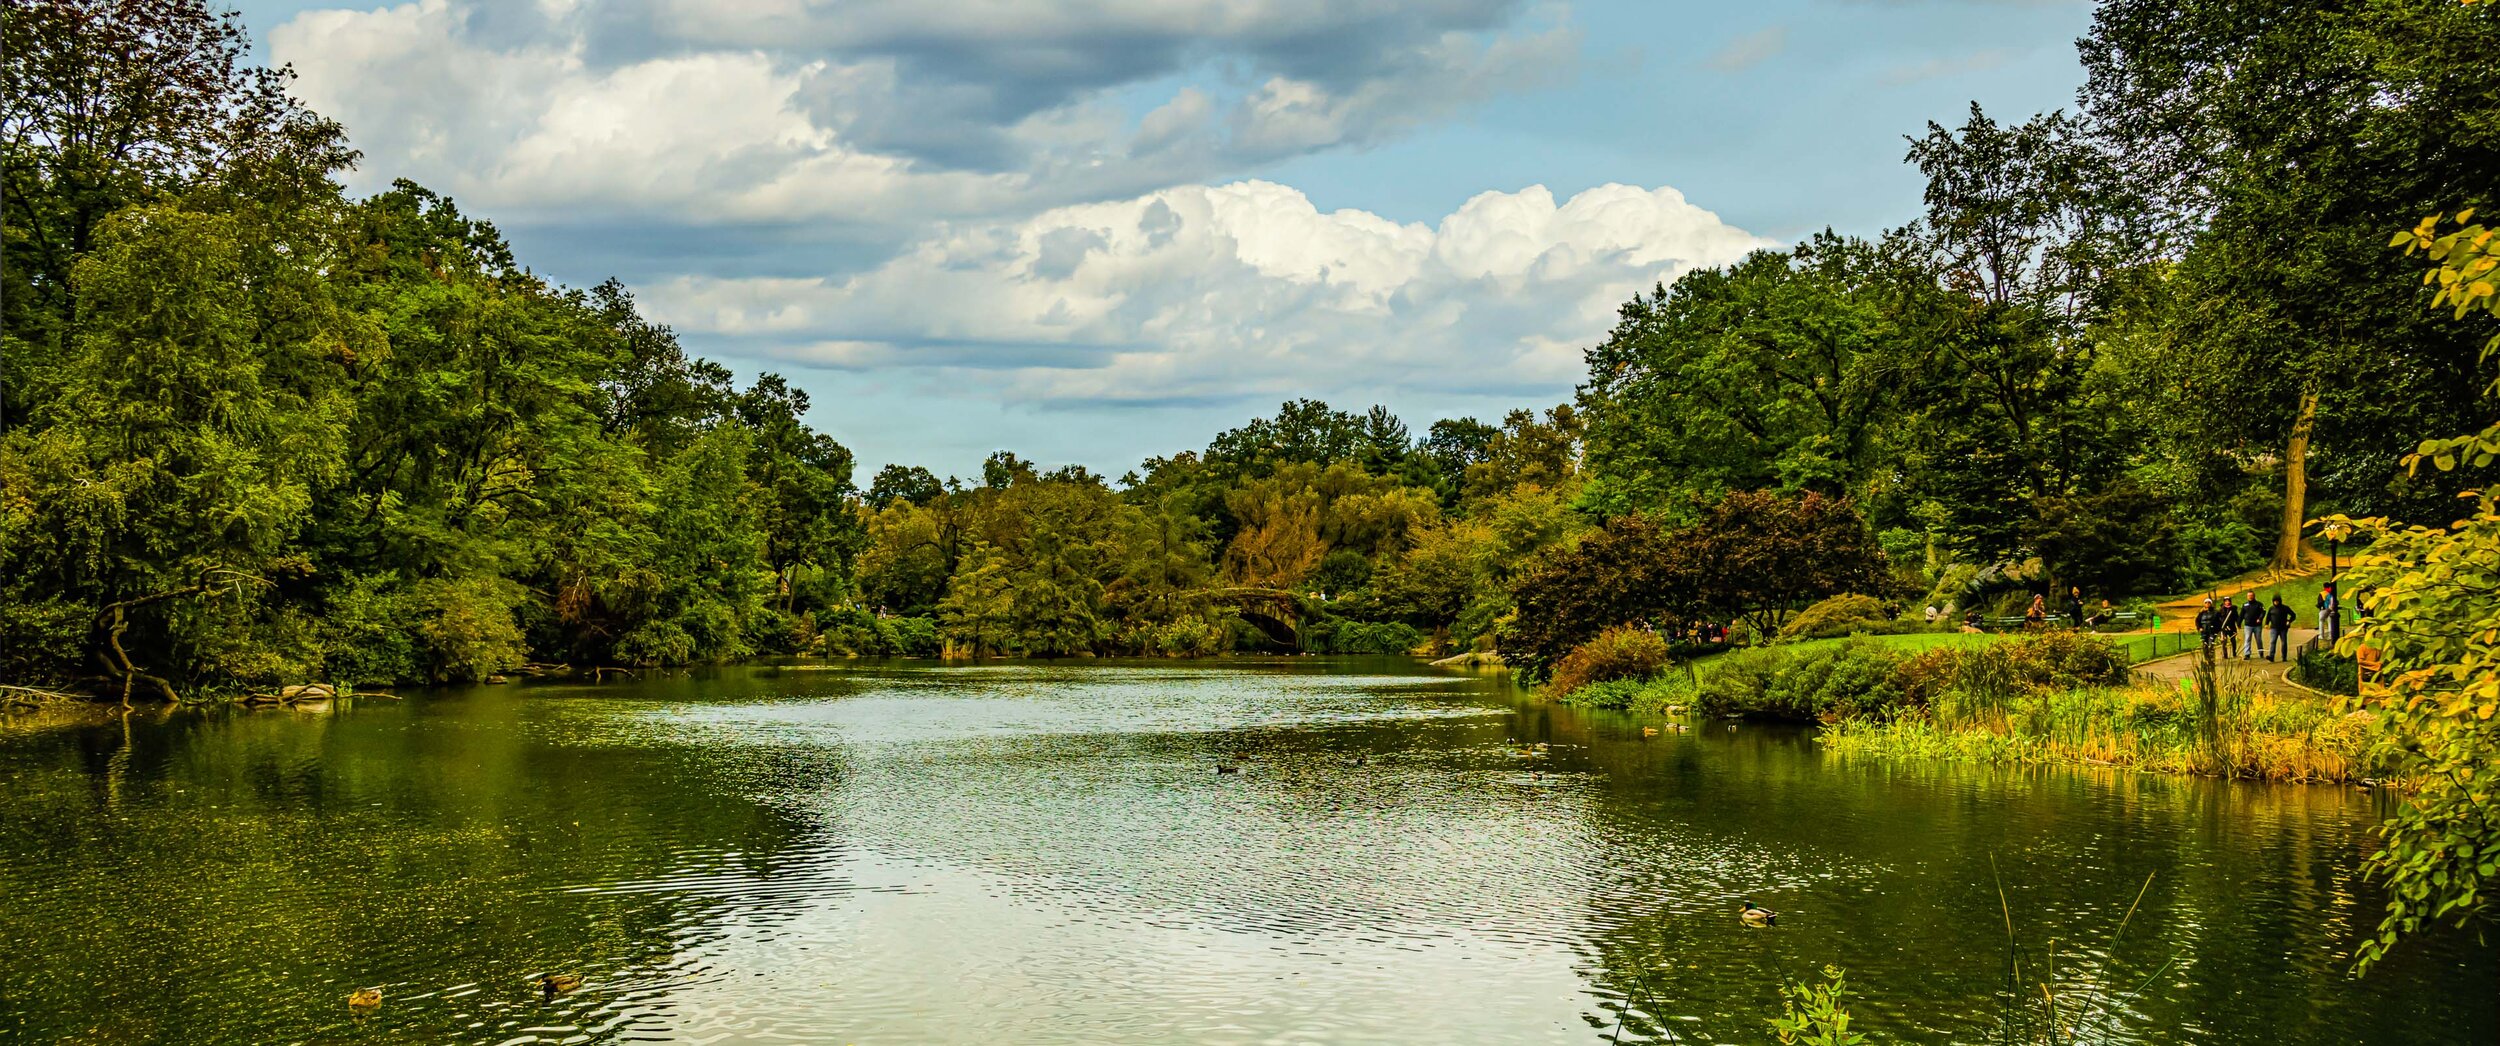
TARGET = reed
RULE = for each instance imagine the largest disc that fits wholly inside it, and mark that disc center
(2216, 733)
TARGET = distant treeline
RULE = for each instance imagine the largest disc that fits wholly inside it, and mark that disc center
(255, 431)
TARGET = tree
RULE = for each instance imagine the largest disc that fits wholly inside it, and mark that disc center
(2433, 601)
(1761, 555)
(803, 482)
(2274, 143)
(177, 447)
(1771, 372)
(904, 482)
(2027, 240)
(1631, 570)
(105, 104)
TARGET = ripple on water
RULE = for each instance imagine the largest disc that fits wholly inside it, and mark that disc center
(1019, 853)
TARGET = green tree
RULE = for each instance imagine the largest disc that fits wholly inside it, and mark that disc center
(2433, 596)
(172, 450)
(1771, 372)
(2275, 143)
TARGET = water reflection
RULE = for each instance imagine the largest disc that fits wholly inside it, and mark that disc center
(1039, 853)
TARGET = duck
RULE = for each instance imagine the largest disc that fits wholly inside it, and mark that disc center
(364, 998)
(1756, 915)
(1362, 760)
(559, 983)
(1227, 768)
(1649, 731)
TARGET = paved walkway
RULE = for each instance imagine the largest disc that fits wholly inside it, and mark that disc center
(2182, 611)
(2231, 671)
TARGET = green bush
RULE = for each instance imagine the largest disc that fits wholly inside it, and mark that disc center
(2327, 670)
(1670, 690)
(853, 632)
(1993, 675)
(1838, 616)
(1848, 680)
(1621, 652)
(1343, 636)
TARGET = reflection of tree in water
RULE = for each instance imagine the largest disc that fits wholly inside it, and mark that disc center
(1884, 870)
(231, 876)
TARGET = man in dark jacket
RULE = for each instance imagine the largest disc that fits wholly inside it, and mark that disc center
(2279, 618)
(2253, 627)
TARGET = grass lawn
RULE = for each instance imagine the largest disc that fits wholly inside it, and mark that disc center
(2140, 647)
(1909, 643)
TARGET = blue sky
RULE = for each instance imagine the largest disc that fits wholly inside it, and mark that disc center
(1093, 231)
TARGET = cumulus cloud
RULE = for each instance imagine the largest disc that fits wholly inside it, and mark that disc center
(1243, 291)
(884, 114)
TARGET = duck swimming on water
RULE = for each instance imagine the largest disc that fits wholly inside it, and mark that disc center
(364, 998)
(1756, 915)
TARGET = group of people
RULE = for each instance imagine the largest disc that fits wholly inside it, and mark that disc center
(2243, 630)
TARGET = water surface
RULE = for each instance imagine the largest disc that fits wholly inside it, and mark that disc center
(1037, 853)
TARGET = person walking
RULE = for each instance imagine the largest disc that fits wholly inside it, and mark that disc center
(2330, 615)
(2226, 623)
(2074, 607)
(2208, 622)
(2253, 623)
(2279, 619)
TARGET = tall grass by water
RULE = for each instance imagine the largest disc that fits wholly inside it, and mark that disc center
(2253, 735)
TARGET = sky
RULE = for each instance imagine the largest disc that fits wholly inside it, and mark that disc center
(1091, 231)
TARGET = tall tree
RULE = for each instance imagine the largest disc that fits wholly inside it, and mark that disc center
(1771, 372)
(2276, 141)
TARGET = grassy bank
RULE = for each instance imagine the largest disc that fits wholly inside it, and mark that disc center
(2050, 698)
(2258, 736)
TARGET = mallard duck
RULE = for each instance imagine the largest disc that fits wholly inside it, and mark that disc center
(1649, 731)
(1756, 915)
(559, 983)
(1226, 768)
(364, 998)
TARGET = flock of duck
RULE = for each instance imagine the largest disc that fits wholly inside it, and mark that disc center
(367, 1000)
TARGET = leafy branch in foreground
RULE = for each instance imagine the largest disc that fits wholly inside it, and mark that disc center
(2440, 685)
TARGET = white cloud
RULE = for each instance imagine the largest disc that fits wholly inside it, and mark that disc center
(884, 115)
(1236, 291)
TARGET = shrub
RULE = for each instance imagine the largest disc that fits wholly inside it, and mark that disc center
(853, 632)
(2063, 660)
(1847, 680)
(2329, 671)
(1342, 636)
(1838, 616)
(1621, 652)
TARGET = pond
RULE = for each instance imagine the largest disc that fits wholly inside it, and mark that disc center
(1046, 853)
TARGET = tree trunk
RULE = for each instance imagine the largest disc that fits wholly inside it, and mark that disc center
(2288, 546)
